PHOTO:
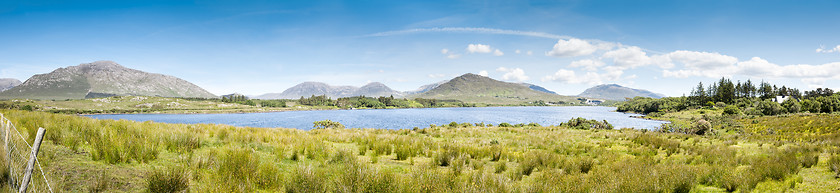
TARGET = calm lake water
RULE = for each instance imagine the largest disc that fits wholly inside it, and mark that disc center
(403, 118)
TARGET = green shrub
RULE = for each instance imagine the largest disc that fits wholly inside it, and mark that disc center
(583, 123)
(701, 127)
(768, 107)
(731, 110)
(453, 124)
(505, 125)
(327, 124)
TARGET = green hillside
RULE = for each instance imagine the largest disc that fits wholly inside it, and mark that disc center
(473, 88)
(616, 92)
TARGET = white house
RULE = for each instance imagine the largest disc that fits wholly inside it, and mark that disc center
(781, 99)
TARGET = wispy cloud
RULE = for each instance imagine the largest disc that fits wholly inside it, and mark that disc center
(470, 30)
(829, 50)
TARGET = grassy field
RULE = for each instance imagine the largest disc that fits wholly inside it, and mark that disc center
(87, 155)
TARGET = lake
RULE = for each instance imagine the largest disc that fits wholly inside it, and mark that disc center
(403, 118)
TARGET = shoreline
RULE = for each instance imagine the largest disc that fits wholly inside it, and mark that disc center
(245, 111)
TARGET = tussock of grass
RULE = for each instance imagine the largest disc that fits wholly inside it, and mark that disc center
(168, 180)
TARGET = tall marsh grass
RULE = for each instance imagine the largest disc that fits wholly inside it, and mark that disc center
(451, 158)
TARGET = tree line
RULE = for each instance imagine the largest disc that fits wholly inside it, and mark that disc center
(740, 97)
(379, 102)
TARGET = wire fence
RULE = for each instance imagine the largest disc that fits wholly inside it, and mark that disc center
(17, 152)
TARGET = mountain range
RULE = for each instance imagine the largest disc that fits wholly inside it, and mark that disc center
(107, 78)
(99, 79)
(616, 92)
(307, 89)
(8, 83)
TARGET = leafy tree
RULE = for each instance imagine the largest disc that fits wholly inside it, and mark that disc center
(792, 106)
(725, 91)
(766, 91)
(767, 107)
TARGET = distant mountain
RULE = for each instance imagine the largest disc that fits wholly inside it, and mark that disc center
(425, 88)
(307, 89)
(475, 88)
(538, 88)
(8, 83)
(616, 92)
(429, 87)
(102, 78)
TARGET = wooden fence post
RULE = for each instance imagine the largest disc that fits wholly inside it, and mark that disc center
(31, 165)
(8, 155)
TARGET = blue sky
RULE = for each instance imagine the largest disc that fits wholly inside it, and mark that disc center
(258, 47)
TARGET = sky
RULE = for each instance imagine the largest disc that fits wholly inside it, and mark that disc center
(257, 47)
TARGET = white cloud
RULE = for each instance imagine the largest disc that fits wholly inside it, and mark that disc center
(562, 75)
(587, 64)
(449, 54)
(572, 47)
(517, 51)
(498, 53)
(823, 50)
(530, 53)
(591, 78)
(827, 71)
(813, 75)
(513, 74)
(479, 48)
(629, 57)
(701, 60)
(436, 75)
(483, 73)
(757, 67)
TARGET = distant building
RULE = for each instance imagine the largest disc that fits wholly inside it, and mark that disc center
(593, 102)
(781, 99)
